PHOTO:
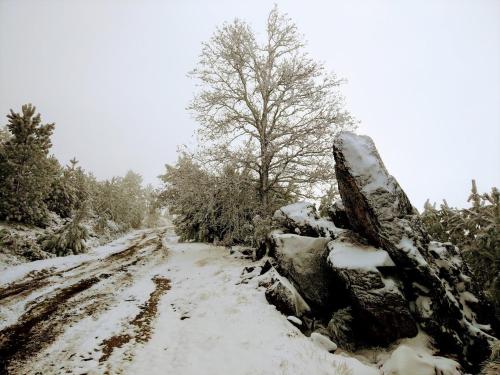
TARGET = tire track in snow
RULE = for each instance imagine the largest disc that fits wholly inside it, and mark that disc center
(141, 323)
(50, 314)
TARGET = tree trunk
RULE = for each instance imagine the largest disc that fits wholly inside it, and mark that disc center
(264, 178)
(264, 192)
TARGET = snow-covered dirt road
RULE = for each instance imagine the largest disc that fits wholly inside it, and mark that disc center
(146, 304)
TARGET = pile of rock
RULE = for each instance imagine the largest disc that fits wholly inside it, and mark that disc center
(369, 274)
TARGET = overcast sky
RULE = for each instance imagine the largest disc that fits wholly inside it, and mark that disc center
(423, 79)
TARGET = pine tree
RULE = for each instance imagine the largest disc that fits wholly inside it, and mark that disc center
(70, 239)
(69, 190)
(25, 168)
(476, 231)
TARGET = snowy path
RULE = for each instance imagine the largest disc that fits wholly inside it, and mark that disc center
(149, 305)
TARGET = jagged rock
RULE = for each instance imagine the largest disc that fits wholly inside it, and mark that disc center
(268, 264)
(379, 210)
(283, 295)
(381, 313)
(337, 214)
(302, 260)
(301, 218)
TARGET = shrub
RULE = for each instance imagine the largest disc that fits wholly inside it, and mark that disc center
(70, 239)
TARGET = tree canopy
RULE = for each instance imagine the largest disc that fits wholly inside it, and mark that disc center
(268, 107)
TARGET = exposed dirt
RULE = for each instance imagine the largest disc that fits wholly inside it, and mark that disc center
(18, 341)
(141, 323)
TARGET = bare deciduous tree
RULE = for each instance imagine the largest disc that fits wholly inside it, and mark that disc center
(268, 106)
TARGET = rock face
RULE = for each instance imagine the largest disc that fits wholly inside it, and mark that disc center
(434, 277)
(381, 311)
(372, 264)
(301, 259)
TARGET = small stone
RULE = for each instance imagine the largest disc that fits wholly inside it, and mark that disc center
(323, 342)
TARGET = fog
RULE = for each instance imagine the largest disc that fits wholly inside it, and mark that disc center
(423, 79)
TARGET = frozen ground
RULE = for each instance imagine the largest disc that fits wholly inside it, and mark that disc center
(146, 304)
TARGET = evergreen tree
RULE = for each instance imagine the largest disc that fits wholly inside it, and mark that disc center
(69, 189)
(476, 231)
(188, 194)
(70, 239)
(152, 202)
(134, 201)
(25, 168)
(122, 200)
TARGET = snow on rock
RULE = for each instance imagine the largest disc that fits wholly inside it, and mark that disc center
(380, 311)
(423, 304)
(302, 260)
(407, 246)
(323, 342)
(379, 210)
(364, 162)
(350, 255)
(296, 321)
(406, 361)
(301, 218)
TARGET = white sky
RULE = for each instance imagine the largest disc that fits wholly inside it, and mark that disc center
(424, 79)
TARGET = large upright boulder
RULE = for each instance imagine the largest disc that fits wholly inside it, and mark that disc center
(435, 280)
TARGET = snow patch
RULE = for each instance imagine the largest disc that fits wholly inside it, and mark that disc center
(350, 256)
(406, 361)
(424, 306)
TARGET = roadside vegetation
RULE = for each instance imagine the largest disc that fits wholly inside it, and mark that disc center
(51, 208)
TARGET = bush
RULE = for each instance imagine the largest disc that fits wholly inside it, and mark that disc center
(20, 243)
(210, 207)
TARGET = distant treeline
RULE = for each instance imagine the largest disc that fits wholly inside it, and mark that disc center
(33, 184)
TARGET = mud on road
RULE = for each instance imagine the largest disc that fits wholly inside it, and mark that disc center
(51, 302)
